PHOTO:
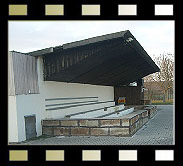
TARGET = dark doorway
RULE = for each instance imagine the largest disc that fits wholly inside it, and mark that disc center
(30, 126)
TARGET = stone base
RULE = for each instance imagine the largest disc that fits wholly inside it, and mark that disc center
(121, 126)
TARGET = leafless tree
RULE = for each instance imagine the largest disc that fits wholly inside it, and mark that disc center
(165, 78)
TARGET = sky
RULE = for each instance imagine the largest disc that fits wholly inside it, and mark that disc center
(156, 37)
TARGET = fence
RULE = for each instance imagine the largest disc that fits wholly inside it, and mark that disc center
(159, 96)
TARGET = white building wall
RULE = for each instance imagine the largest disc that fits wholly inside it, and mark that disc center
(52, 89)
(29, 105)
(35, 103)
(12, 120)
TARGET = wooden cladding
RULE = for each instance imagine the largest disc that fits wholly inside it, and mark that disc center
(133, 94)
(22, 74)
(59, 61)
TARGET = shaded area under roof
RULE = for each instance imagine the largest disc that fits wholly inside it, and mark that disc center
(114, 59)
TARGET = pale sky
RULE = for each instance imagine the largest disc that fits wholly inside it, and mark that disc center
(156, 37)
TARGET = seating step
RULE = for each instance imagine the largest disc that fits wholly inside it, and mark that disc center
(118, 113)
(95, 112)
(72, 111)
(122, 126)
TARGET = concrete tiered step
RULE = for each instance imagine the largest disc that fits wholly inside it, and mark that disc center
(118, 113)
(61, 111)
(125, 125)
(111, 111)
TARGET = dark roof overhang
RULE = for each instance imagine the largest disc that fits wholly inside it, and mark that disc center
(114, 59)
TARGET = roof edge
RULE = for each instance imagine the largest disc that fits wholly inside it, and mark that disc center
(94, 39)
(136, 45)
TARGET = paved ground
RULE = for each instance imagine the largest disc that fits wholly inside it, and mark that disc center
(158, 131)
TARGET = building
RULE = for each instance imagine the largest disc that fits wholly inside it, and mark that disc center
(75, 77)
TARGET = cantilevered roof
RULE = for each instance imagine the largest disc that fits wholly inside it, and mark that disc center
(112, 59)
(94, 40)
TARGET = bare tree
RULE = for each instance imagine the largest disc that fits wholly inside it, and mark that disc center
(148, 86)
(166, 75)
(164, 79)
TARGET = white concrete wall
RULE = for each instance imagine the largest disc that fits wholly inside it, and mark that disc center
(52, 89)
(12, 120)
(29, 105)
(35, 103)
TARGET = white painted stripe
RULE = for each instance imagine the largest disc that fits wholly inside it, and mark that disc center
(163, 10)
(127, 155)
(164, 155)
(91, 155)
(127, 9)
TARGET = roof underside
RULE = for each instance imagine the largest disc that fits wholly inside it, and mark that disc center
(114, 59)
